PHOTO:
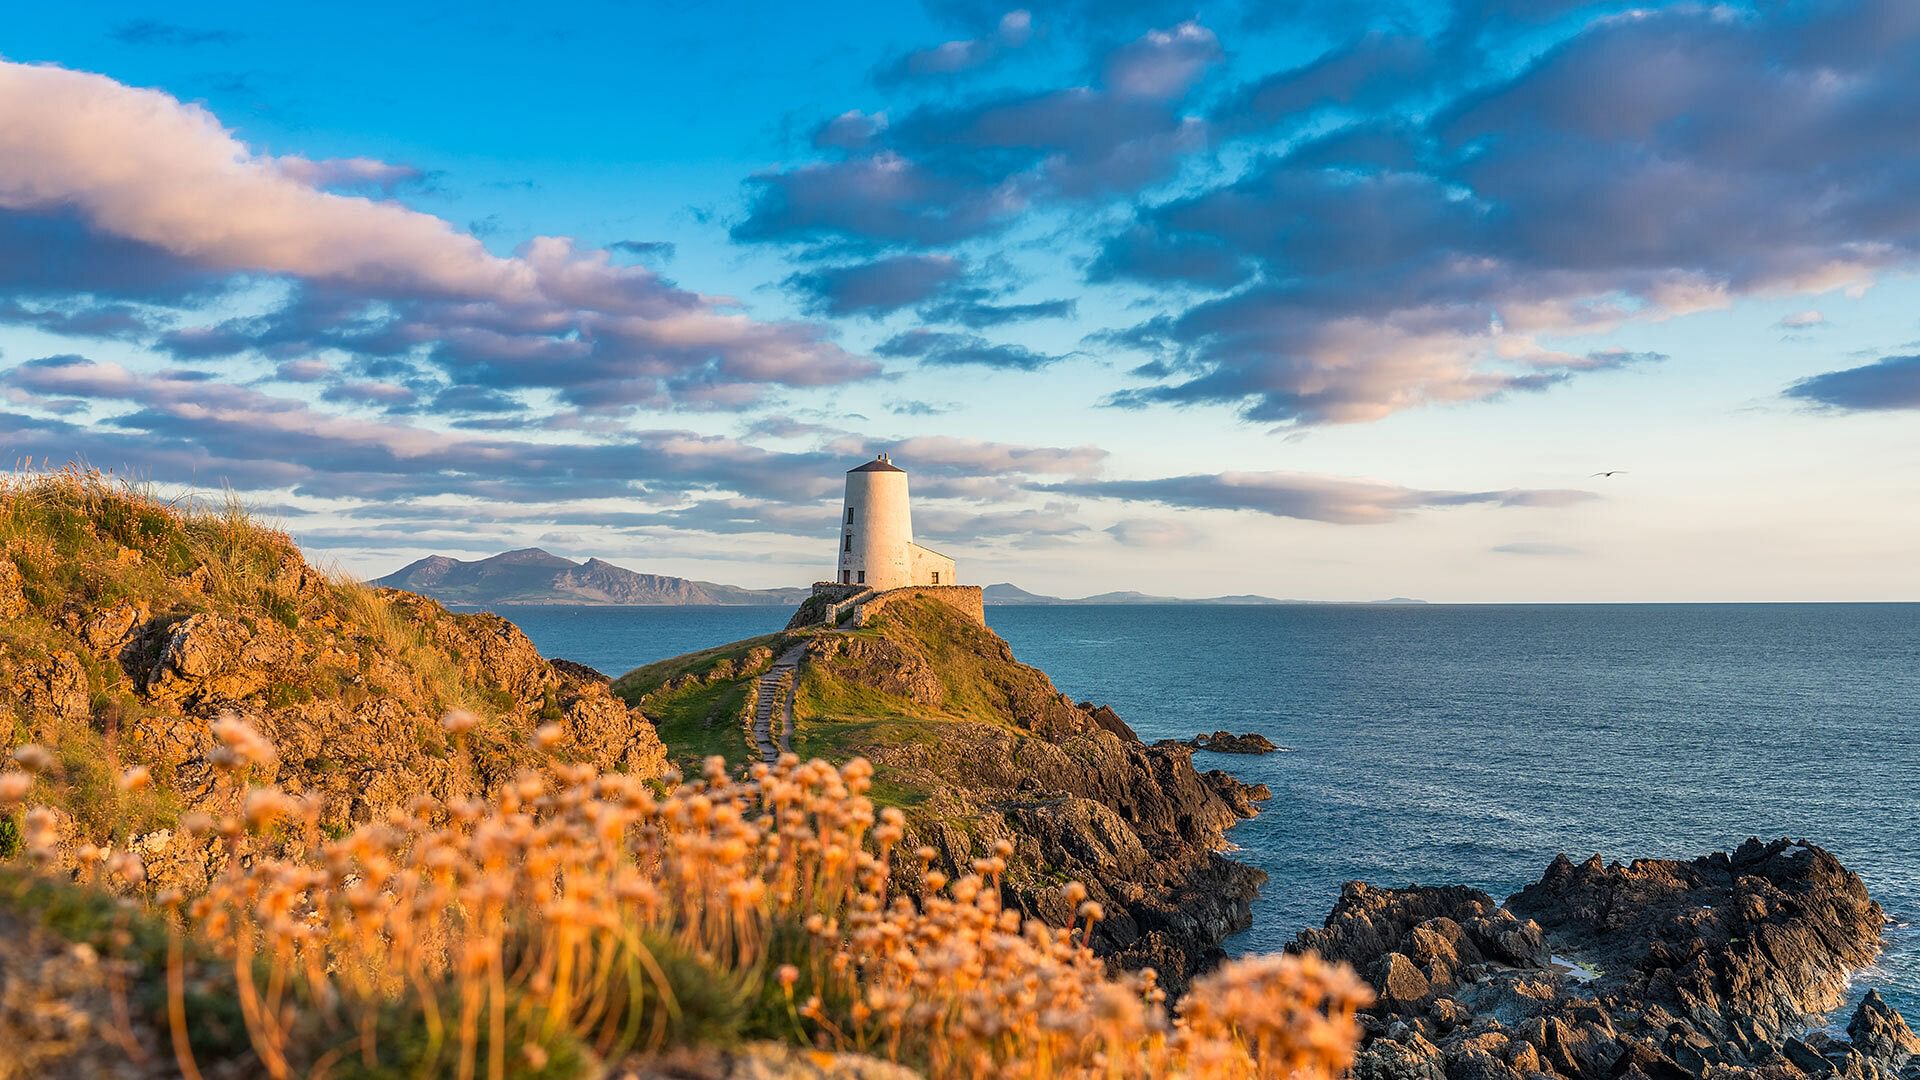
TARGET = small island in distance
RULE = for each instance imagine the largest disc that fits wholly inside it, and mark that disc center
(531, 576)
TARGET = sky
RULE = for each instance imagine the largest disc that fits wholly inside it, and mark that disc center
(1323, 300)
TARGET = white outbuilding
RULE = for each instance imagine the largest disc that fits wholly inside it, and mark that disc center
(876, 533)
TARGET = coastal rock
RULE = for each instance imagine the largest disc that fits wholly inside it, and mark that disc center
(1005, 758)
(1400, 983)
(1226, 742)
(576, 670)
(1882, 1034)
(1715, 967)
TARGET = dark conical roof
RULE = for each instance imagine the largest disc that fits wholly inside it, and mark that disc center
(879, 464)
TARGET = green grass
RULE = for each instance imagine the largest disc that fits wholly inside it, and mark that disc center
(703, 721)
(642, 681)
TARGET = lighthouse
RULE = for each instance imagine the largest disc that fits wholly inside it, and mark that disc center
(876, 533)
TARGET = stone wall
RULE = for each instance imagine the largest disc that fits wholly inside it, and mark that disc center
(829, 602)
(965, 599)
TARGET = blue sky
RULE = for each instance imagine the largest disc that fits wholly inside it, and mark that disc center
(1326, 300)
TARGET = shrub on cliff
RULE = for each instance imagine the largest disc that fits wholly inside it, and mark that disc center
(577, 917)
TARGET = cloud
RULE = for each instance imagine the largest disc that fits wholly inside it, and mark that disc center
(878, 287)
(1892, 382)
(187, 426)
(308, 370)
(77, 318)
(1354, 284)
(1801, 320)
(979, 315)
(947, 172)
(922, 408)
(349, 174)
(1534, 548)
(960, 57)
(1378, 69)
(148, 175)
(1153, 533)
(1307, 497)
(661, 250)
(954, 456)
(944, 349)
(1163, 65)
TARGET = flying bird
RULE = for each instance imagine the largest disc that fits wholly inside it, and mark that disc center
(1611, 472)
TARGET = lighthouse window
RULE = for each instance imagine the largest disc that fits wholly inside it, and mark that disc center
(936, 577)
(846, 542)
(849, 515)
(863, 577)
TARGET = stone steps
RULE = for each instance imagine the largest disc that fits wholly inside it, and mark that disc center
(774, 694)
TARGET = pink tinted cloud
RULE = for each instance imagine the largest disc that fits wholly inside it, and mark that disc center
(139, 165)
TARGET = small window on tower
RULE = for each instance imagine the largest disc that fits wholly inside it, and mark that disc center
(846, 577)
(849, 515)
(936, 577)
(846, 542)
(863, 577)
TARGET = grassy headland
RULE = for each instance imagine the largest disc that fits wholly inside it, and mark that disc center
(262, 820)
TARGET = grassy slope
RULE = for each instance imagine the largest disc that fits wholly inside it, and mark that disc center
(703, 718)
(838, 713)
(74, 545)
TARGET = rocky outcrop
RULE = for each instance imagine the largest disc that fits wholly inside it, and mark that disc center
(1226, 742)
(1008, 760)
(1881, 1034)
(211, 657)
(1653, 970)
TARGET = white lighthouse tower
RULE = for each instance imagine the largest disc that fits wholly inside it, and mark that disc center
(876, 533)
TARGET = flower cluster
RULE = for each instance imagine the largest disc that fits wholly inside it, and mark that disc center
(597, 915)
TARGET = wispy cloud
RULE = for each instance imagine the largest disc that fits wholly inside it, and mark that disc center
(1311, 498)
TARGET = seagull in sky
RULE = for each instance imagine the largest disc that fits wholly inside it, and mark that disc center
(1611, 472)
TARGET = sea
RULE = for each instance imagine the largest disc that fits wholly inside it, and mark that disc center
(1469, 744)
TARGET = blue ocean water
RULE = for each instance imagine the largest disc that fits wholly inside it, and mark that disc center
(1470, 744)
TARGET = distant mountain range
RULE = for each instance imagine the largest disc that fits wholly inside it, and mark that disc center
(533, 576)
(1013, 594)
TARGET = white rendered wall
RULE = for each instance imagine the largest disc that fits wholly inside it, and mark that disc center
(927, 563)
(882, 530)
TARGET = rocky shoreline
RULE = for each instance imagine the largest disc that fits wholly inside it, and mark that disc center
(1654, 970)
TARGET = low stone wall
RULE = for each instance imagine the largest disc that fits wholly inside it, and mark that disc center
(830, 601)
(966, 599)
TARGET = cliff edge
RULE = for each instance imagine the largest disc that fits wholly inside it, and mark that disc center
(984, 754)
